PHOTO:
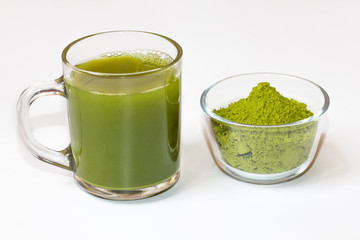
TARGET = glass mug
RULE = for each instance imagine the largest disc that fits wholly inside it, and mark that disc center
(123, 100)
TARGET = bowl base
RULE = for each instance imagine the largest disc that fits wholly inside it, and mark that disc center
(265, 178)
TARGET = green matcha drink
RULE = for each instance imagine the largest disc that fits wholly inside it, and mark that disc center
(125, 130)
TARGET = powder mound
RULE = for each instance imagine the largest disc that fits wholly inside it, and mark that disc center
(265, 106)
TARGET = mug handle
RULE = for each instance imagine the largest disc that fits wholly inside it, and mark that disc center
(63, 158)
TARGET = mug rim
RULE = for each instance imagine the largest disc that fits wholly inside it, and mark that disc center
(74, 67)
(312, 118)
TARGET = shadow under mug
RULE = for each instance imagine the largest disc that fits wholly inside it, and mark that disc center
(124, 127)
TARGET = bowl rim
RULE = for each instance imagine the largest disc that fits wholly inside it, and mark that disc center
(314, 117)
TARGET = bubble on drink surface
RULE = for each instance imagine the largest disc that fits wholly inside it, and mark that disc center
(147, 56)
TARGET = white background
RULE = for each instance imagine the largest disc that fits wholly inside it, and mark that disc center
(314, 39)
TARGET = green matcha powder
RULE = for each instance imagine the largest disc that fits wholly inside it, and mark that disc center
(265, 150)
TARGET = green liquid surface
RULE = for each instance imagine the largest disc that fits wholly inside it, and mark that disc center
(125, 130)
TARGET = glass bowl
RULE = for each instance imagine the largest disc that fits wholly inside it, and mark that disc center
(264, 154)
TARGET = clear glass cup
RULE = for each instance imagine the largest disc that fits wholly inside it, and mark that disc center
(124, 124)
(264, 154)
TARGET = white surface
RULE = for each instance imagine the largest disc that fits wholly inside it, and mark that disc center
(315, 39)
